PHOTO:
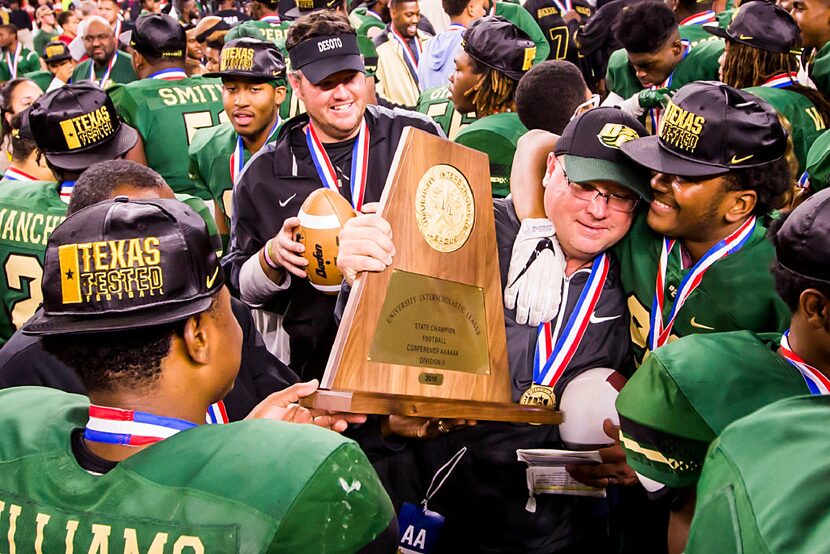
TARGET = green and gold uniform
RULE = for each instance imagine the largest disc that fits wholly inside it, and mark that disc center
(736, 293)
(122, 71)
(700, 64)
(496, 135)
(247, 487)
(167, 114)
(766, 483)
(42, 39)
(210, 153)
(262, 30)
(29, 61)
(806, 123)
(29, 212)
(695, 33)
(42, 78)
(437, 104)
(688, 391)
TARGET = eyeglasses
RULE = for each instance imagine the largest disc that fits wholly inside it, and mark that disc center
(589, 193)
(590, 104)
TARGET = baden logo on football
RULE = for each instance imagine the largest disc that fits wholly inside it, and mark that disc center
(87, 129)
(614, 135)
(91, 271)
(681, 128)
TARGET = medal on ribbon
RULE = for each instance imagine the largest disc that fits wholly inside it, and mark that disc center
(103, 82)
(237, 160)
(656, 114)
(172, 74)
(408, 56)
(360, 163)
(659, 333)
(817, 382)
(13, 174)
(13, 63)
(782, 80)
(700, 18)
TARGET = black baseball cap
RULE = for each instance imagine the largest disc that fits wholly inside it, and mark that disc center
(22, 129)
(709, 129)
(125, 264)
(56, 51)
(801, 245)
(497, 43)
(252, 59)
(218, 25)
(591, 144)
(762, 25)
(303, 7)
(319, 57)
(157, 35)
(77, 125)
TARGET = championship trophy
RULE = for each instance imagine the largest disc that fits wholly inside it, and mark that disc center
(426, 336)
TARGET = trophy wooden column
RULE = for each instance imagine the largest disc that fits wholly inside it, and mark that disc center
(426, 336)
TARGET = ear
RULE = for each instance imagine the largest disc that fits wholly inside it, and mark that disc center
(279, 96)
(196, 339)
(295, 85)
(552, 163)
(677, 47)
(138, 61)
(814, 306)
(742, 204)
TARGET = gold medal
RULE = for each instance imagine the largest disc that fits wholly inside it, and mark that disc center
(539, 395)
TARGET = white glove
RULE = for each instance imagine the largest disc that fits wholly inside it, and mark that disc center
(537, 268)
(632, 106)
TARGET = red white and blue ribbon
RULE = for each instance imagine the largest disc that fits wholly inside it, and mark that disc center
(103, 82)
(13, 63)
(564, 8)
(409, 57)
(782, 80)
(659, 334)
(551, 360)
(172, 74)
(817, 382)
(273, 19)
(360, 163)
(133, 428)
(66, 190)
(13, 174)
(656, 114)
(237, 160)
(700, 18)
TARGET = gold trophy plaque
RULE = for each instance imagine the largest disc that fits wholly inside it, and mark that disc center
(426, 336)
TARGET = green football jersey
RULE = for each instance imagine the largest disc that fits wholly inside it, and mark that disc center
(700, 64)
(806, 123)
(362, 21)
(820, 70)
(27, 63)
(726, 16)
(210, 153)
(198, 205)
(736, 293)
(765, 485)
(167, 114)
(42, 78)
(496, 135)
(122, 71)
(437, 104)
(29, 212)
(696, 34)
(262, 30)
(687, 392)
(247, 487)
(42, 38)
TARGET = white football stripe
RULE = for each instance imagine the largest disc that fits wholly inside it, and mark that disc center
(318, 221)
(326, 288)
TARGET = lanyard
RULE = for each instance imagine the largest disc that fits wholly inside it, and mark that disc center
(237, 160)
(409, 56)
(132, 428)
(817, 382)
(13, 63)
(564, 8)
(550, 361)
(360, 163)
(13, 174)
(117, 31)
(659, 334)
(102, 83)
(700, 18)
(656, 114)
(274, 19)
(66, 190)
(782, 80)
(172, 74)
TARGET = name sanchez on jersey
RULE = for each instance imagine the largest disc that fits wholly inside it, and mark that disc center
(27, 227)
(195, 94)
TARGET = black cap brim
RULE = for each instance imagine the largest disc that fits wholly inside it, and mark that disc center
(242, 75)
(648, 152)
(57, 59)
(295, 12)
(717, 31)
(318, 70)
(42, 324)
(120, 144)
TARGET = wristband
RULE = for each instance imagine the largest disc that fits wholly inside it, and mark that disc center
(266, 253)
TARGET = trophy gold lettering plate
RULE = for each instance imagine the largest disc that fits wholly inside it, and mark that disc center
(426, 336)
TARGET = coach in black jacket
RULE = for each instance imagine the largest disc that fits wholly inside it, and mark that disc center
(328, 77)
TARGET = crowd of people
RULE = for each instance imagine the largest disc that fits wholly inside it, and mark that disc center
(658, 173)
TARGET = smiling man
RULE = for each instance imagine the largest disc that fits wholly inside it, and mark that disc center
(106, 64)
(334, 135)
(399, 48)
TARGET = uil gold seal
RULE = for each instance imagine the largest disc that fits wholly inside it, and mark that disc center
(444, 208)
(538, 395)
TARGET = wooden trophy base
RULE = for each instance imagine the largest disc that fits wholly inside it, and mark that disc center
(360, 402)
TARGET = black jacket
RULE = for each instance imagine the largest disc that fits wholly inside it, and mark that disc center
(24, 362)
(272, 188)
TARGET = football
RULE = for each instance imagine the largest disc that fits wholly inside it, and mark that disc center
(587, 401)
(322, 216)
